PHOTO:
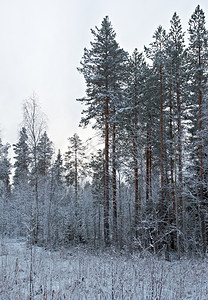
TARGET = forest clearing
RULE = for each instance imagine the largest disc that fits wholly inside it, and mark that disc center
(79, 273)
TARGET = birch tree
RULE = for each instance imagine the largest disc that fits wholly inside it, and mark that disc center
(35, 125)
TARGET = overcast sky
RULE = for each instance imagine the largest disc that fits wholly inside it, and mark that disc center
(41, 45)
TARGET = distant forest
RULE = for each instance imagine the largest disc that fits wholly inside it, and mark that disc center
(147, 188)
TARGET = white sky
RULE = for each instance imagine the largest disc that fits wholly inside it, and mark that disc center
(41, 45)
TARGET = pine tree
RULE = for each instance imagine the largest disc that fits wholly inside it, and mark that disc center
(57, 207)
(198, 57)
(96, 168)
(44, 154)
(22, 157)
(74, 162)
(176, 79)
(156, 52)
(102, 67)
(5, 169)
(134, 117)
(58, 169)
(22, 191)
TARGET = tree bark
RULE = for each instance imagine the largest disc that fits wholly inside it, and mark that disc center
(114, 183)
(106, 177)
(161, 138)
(180, 177)
(172, 163)
(148, 160)
(76, 175)
(203, 227)
(136, 182)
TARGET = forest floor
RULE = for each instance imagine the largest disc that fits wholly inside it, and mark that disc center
(78, 273)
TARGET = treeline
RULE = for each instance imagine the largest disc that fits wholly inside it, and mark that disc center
(148, 188)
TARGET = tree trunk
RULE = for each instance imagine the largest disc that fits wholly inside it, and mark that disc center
(171, 162)
(106, 177)
(180, 187)
(203, 227)
(136, 183)
(147, 166)
(148, 161)
(161, 139)
(36, 229)
(150, 166)
(115, 229)
(76, 177)
(135, 159)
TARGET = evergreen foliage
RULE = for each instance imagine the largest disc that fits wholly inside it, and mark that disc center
(146, 189)
(22, 158)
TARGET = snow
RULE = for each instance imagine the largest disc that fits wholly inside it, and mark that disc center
(80, 273)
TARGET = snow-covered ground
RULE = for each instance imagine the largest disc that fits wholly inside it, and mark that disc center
(80, 274)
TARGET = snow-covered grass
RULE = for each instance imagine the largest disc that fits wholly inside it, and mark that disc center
(77, 273)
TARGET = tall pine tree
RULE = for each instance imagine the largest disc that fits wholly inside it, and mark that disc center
(103, 68)
(198, 57)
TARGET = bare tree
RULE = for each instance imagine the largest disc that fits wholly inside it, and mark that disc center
(35, 124)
